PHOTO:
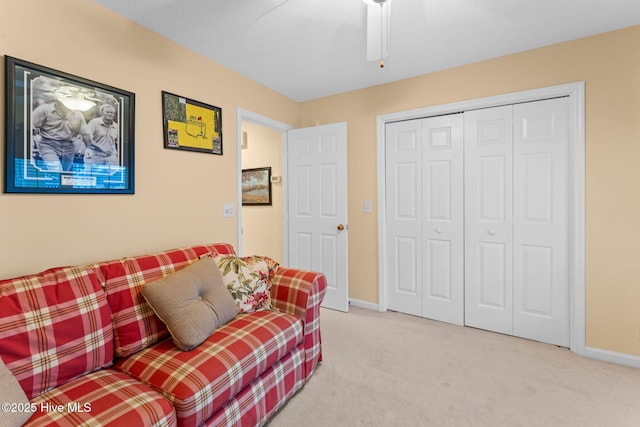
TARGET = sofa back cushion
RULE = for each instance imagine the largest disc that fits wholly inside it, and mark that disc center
(135, 325)
(54, 326)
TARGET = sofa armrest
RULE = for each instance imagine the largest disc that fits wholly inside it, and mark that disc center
(300, 293)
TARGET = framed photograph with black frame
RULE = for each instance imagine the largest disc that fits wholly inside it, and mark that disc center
(256, 186)
(66, 134)
(191, 125)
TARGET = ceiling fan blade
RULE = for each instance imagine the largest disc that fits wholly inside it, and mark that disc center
(378, 23)
(271, 10)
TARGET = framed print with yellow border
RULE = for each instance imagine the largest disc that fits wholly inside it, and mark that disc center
(191, 125)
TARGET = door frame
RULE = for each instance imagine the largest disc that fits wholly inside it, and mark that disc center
(249, 116)
(575, 93)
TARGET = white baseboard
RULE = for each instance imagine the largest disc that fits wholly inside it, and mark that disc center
(364, 304)
(613, 357)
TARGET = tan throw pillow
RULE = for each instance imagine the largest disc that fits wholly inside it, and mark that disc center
(11, 393)
(193, 302)
(248, 282)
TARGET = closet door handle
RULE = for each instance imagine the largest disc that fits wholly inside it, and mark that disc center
(439, 230)
(491, 232)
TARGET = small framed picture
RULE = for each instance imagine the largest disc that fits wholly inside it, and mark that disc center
(191, 125)
(256, 186)
(66, 134)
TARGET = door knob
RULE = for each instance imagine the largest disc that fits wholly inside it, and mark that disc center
(491, 232)
(439, 230)
(340, 227)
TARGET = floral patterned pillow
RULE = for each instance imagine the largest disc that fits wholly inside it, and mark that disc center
(247, 280)
(272, 264)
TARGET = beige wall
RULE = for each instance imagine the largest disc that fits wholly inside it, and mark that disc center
(262, 225)
(179, 195)
(610, 65)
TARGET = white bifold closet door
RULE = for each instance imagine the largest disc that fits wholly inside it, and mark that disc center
(425, 221)
(516, 220)
(477, 215)
(488, 219)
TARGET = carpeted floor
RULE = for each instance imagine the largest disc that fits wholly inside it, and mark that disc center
(392, 369)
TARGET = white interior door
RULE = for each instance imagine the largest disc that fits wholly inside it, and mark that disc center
(542, 281)
(404, 216)
(317, 206)
(478, 235)
(541, 221)
(443, 218)
(424, 211)
(488, 219)
(517, 220)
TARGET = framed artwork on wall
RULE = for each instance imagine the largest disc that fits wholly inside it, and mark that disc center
(66, 134)
(191, 125)
(256, 187)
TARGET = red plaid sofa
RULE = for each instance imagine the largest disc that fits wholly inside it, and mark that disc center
(88, 350)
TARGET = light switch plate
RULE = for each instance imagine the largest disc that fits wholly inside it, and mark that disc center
(368, 207)
(228, 210)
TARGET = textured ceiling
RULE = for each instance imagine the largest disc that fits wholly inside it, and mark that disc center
(306, 49)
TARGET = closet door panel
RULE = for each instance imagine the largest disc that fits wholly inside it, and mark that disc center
(404, 217)
(541, 221)
(443, 220)
(488, 219)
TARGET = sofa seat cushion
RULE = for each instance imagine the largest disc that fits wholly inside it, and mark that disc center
(135, 325)
(201, 381)
(257, 402)
(102, 398)
(54, 326)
